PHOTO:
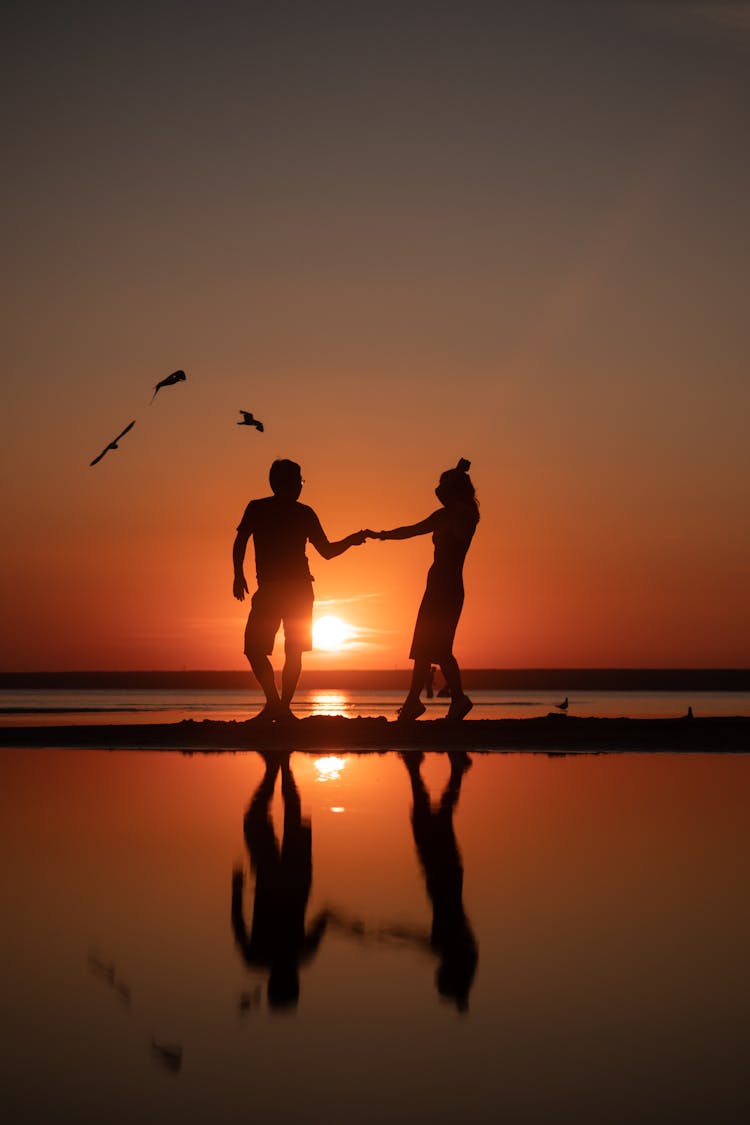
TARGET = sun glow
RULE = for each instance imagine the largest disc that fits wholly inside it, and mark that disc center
(331, 633)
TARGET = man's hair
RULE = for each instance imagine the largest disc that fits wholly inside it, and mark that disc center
(284, 474)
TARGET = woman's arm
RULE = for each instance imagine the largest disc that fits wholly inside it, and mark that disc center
(412, 529)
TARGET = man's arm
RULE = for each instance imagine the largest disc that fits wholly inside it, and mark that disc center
(239, 588)
(323, 545)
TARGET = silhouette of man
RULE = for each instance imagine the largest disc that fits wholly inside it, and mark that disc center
(278, 940)
(281, 527)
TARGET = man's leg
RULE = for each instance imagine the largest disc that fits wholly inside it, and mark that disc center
(262, 625)
(297, 620)
(290, 675)
(263, 672)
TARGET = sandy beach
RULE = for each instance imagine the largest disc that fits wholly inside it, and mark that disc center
(550, 734)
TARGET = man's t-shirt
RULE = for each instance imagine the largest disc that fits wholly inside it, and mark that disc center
(280, 531)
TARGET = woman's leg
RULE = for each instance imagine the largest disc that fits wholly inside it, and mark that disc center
(452, 673)
(412, 706)
(460, 703)
(419, 676)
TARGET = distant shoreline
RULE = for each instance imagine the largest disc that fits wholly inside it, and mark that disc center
(478, 679)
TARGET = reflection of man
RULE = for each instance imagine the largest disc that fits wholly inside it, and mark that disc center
(451, 936)
(277, 940)
(280, 527)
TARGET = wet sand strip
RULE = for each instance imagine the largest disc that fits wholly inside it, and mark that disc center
(549, 734)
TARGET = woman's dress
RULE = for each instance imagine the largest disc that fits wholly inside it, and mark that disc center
(444, 594)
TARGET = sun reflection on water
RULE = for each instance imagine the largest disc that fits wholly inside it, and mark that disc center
(329, 768)
(328, 703)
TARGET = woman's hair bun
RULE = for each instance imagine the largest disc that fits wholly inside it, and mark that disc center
(463, 465)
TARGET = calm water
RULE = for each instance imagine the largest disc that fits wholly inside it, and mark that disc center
(528, 940)
(39, 707)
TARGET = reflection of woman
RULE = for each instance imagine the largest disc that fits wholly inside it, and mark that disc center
(452, 527)
(452, 937)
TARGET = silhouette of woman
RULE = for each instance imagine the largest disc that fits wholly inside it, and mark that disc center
(452, 527)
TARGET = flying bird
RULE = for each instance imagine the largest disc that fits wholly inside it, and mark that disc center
(248, 420)
(564, 705)
(169, 381)
(112, 444)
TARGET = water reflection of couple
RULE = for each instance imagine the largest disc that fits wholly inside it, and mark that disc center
(280, 943)
(280, 528)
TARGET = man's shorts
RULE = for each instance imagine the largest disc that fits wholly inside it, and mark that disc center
(288, 602)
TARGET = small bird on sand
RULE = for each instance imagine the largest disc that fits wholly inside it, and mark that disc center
(112, 444)
(169, 381)
(562, 706)
(248, 420)
(689, 714)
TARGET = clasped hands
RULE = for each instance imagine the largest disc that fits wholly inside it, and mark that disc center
(359, 537)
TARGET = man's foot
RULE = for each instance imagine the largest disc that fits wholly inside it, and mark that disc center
(410, 710)
(459, 708)
(412, 759)
(286, 715)
(268, 714)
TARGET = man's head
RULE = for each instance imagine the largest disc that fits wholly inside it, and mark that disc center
(285, 479)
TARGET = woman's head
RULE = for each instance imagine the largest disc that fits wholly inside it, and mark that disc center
(455, 486)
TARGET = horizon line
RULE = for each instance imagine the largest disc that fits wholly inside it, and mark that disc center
(560, 678)
(502, 668)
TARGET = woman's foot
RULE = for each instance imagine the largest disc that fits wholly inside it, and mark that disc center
(410, 710)
(459, 708)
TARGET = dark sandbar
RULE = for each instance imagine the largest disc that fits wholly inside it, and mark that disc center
(550, 734)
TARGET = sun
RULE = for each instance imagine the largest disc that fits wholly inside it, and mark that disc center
(331, 633)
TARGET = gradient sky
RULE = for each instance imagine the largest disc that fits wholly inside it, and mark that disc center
(400, 234)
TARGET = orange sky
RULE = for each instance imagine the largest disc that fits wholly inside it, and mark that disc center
(399, 239)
